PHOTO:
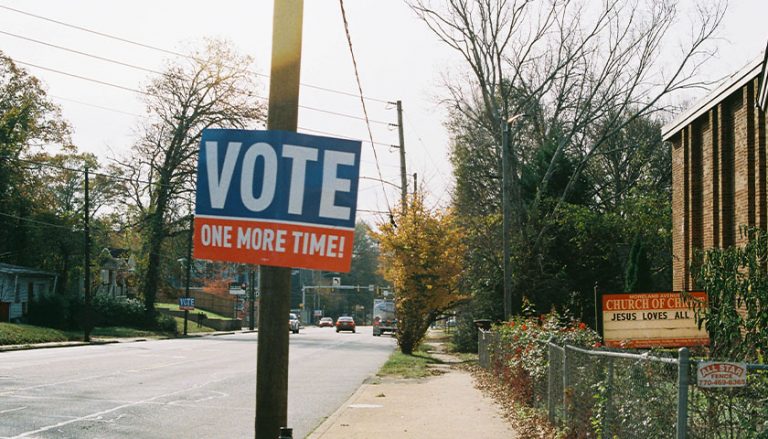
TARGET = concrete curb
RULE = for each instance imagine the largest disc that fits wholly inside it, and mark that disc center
(71, 344)
(67, 344)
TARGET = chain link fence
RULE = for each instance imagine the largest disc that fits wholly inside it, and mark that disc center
(597, 393)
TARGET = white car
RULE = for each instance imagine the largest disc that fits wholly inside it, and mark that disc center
(293, 323)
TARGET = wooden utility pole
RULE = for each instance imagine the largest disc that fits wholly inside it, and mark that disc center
(403, 173)
(88, 314)
(275, 282)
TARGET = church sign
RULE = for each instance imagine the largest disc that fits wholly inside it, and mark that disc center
(647, 320)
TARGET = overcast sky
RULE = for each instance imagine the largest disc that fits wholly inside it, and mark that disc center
(398, 58)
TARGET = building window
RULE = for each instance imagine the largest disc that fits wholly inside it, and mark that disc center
(24, 308)
(17, 293)
(30, 291)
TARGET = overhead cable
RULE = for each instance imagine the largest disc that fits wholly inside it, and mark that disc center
(166, 51)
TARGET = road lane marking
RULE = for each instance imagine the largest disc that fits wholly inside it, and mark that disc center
(13, 410)
(98, 415)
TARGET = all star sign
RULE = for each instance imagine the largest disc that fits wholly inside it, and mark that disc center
(276, 198)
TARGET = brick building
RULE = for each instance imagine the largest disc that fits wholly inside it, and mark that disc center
(718, 168)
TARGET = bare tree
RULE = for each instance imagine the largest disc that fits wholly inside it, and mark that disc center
(568, 65)
(211, 88)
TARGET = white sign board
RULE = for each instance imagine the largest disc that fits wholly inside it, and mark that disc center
(721, 374)
(646, 320)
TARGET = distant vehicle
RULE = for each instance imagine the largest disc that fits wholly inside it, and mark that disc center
(293, 323)
(325, 321)
(384, 317)
(345, 324)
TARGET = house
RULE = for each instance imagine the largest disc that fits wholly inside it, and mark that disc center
(116, 267)
(19, 286)
(719, 168)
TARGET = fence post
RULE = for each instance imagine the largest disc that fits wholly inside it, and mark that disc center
(482, 348)
(550, 383)
(565, 385)
(608, 401)
(683, 364)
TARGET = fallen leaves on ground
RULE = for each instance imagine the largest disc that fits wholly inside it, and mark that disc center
(527, 422)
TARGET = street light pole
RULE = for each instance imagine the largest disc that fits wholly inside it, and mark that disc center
(506, 198)
(189, 265)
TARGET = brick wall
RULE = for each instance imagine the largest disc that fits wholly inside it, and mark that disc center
(719, 176)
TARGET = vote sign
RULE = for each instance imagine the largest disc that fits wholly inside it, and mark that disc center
(187, 303)
(276, 198)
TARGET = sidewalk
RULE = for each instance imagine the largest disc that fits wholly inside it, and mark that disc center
(445, 406)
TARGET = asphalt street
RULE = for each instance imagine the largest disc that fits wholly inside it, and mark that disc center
(203, 387)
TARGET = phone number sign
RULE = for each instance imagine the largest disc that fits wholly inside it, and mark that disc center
(276, 198)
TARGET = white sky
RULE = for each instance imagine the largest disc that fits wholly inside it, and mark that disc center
(398, 58)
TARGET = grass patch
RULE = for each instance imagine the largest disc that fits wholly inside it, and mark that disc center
(409, 366)
(191, 326)
(192, 314)
(115, 332)
(12, 333)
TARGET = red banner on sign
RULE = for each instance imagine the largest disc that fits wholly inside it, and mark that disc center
(279, 244)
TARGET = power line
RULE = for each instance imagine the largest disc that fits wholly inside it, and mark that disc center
(112, 177)
(35, 221)
(166, 51)
(101, 107)
(98, 81)
(341, 136)
(362, 101)
(143, 116)
(84, 78)
(90, 55)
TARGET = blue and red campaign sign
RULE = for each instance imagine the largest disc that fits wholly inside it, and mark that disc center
(276, 198)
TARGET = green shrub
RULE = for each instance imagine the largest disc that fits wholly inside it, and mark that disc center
(165, 323)
(519, 355)
(522, 341)
(60, 311)
(51, 311)
(118, 311)
(12, 333)
(465, 336)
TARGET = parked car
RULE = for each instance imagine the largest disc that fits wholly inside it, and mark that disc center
(325, 321)
(345, 324)
(293, 323)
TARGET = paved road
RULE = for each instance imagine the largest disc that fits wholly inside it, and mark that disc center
(186, 388)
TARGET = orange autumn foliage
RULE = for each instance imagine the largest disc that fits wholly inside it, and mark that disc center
(422, 254)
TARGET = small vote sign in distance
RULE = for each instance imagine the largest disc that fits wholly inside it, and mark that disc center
(276, 198)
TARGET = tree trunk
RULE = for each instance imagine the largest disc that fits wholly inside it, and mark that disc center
(152, 248)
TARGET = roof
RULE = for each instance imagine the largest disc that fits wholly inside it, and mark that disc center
(18, 269)
(725, 89)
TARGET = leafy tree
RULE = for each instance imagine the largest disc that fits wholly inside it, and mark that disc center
(27, 118)
(422, 255)
(212, 88)
(736, 282)
(638, 272)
